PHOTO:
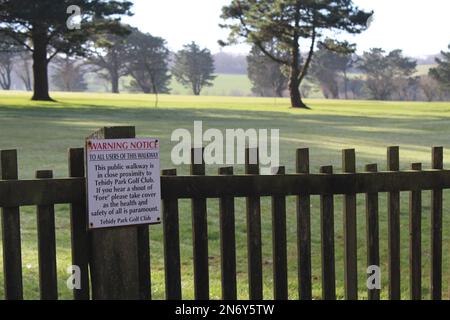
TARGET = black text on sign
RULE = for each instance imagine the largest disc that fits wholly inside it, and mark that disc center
(123, 182)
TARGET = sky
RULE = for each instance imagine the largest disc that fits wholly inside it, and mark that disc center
(417, 27)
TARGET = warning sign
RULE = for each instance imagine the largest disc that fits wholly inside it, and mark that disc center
(123, 182)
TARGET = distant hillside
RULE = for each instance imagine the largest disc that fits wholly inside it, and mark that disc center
(224, 85)
(422, 69)
(227, 63)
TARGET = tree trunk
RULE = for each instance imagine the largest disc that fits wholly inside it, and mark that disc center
(25, 76)
(114, 83)
(294, 90)
(346, 84)
(194, 89)
(298, 76)
(279, 89)
(5, 81)
(40, 68)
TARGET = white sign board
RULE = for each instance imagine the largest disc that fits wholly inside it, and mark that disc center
(123, 182)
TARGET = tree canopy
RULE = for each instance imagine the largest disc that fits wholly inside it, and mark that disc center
(194, 67)
(68, 74)
(41, 27)
(147, 62)
(287, 22)
(442, 72)
(384, 69)
(329, 61)
(109, 52)
(269, 78)
(8, 50)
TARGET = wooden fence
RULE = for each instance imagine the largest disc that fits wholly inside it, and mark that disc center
(45, 192)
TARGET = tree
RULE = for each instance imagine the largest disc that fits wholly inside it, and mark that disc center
(69, 74)
(147, 63)
(306, 89)
(8, 52)
(442, 72)
(194, 67)
(384, 70)
(266, 75)
(430, 88)
(357, 87)
(6, 67)
(24, 69)
(287, 22)
(109, 53)
(348, 62)
(330, 61)
(407, 88)
(41, 27)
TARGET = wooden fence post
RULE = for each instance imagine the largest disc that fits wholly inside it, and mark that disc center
(393, 162)
(350, 227)
(304, 231)
(254, 242)
(12, 252)
(47, 246)
(436, 229)
(228, 243)
(200, 232)
(372, 231)
(171, 234)
(415, 247)
(279, 245)
(327, 242)
(78, 223)
(117, 257)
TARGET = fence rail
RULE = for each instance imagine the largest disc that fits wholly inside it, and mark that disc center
(60, 191)
(44, 192)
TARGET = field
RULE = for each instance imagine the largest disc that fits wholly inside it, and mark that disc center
(224, 85)
(233, 85)
(42, 133)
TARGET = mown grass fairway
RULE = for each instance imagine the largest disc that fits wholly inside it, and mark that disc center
(42, 132)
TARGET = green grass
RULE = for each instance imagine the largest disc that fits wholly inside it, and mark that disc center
(42, 133)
